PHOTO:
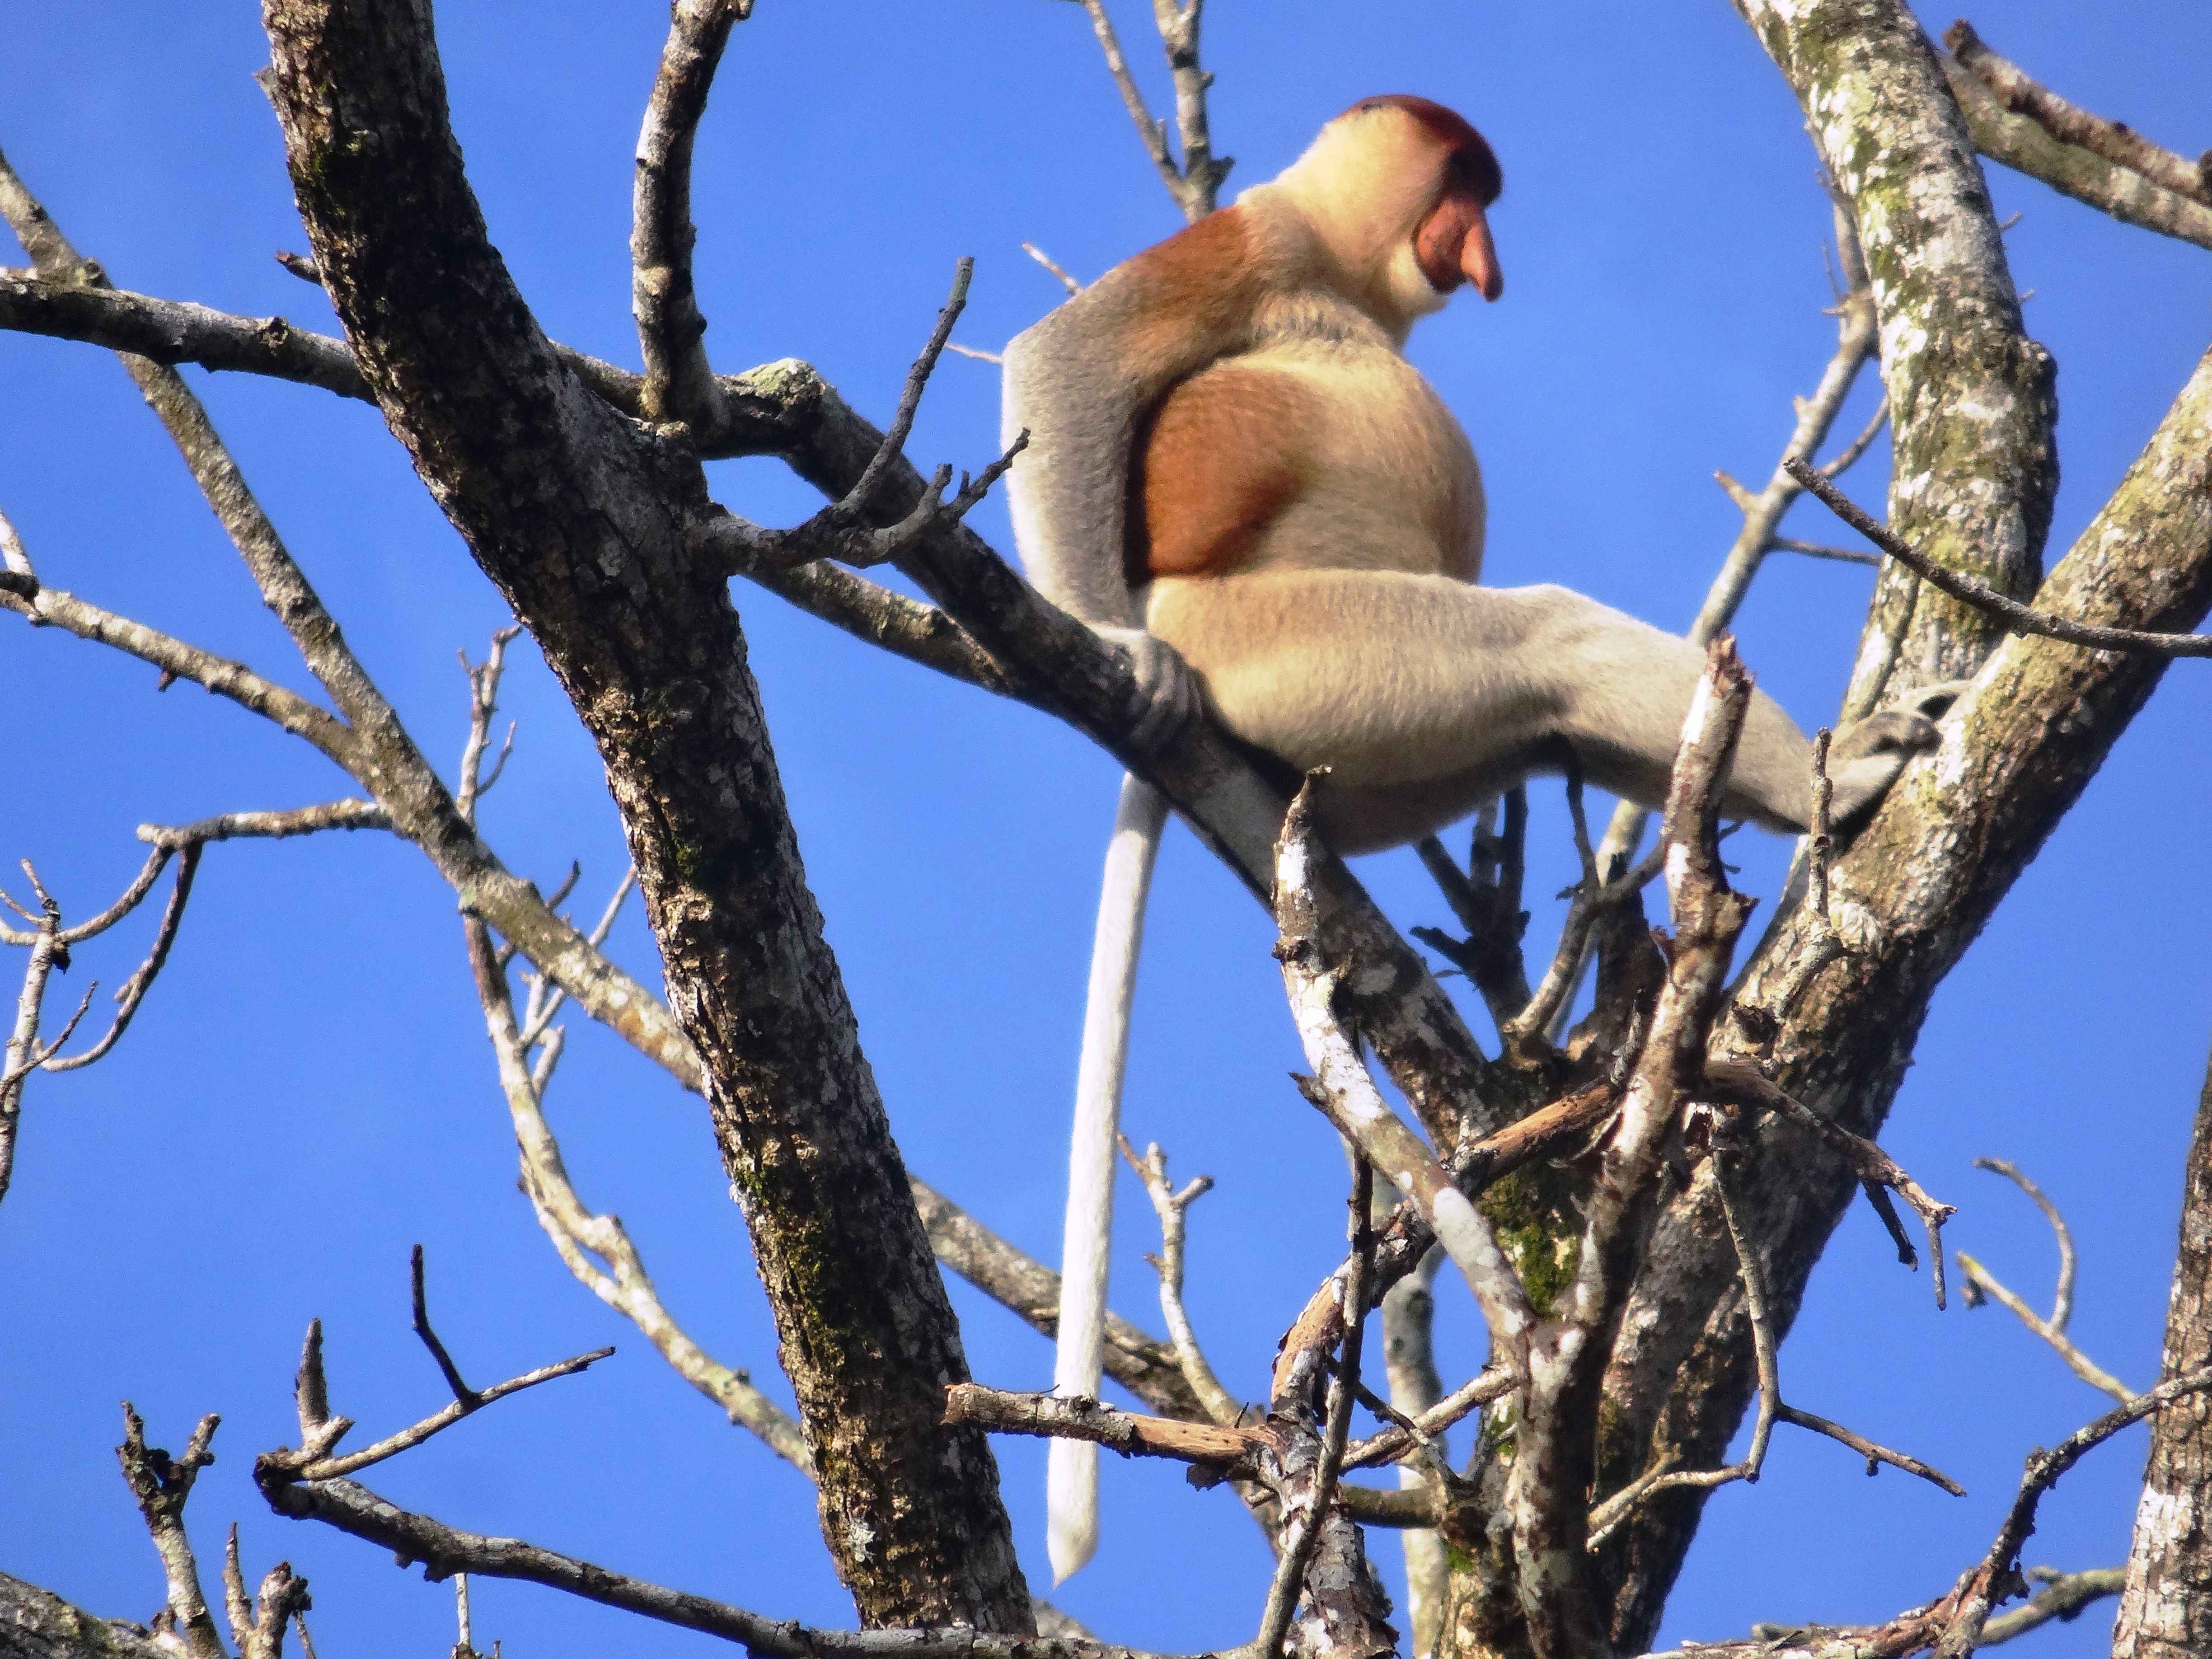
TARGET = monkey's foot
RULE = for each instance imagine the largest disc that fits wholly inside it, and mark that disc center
(1170, 695)
(1868, 755)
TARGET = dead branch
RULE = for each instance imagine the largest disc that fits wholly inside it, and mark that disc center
(1878, 1173)
(1173, 1209)
(258, 1625)
(1997, 1577)
(1857, 337)
(1139, 1362)
(1067, 279)
(2029, 148)
(1875, 1454)
(1344, 1606)
(597, 1249)
(352, 813)
(1981, 1281)
(1197, 184)
(444, 1551)
(463, 1396)
(2063, 1597)
(1228, 1447)
(1486, 899)
(1554, 1460)
(369, 742)
(1342, 1088)
(161, 1484)
(320, 1431)
(48, 943)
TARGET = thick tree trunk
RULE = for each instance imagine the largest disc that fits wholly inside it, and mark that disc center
(1913, 892)
(580, 515)
(2165, 1609)
(1972, 410)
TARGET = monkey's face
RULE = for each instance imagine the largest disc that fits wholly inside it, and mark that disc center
(1398, 187)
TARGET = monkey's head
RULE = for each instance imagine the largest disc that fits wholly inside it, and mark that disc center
(1397, 187)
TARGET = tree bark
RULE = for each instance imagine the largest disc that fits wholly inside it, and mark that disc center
(2165, 1606)
(580, 516)
(1911, 895)
(36, 1624)
(1971, 402)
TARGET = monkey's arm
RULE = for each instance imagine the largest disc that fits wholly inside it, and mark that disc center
(1079, 381)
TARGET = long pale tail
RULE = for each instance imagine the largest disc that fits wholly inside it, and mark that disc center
(1071, 1472)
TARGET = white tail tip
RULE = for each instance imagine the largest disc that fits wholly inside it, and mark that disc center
(1071, 1506)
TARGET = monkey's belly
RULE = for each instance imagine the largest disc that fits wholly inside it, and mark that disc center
(1305, 457)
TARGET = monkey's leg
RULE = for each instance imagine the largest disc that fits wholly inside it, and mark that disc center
(1422, 694)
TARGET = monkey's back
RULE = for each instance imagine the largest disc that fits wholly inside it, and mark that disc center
(1320, 449)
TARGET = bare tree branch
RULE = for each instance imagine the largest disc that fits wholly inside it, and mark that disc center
(444, 1551)
(2025, 146)
(679, 383)
(2071, 125)
(1998, 1575)
(2053, 1329)
(842, 530)
(161, 1484)
(2020, 618)
(1346, 1627)
(1173, 1209)
(1553, 1462)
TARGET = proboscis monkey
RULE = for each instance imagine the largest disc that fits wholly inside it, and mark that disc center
(1233, 471)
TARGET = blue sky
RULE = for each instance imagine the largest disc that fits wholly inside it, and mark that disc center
(308, 1090)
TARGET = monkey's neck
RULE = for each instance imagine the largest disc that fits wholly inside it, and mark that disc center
(1314, 312)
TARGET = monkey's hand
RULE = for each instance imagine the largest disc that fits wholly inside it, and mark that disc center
(1866, 755)
(1169, 694)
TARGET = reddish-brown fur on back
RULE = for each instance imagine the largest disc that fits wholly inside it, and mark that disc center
(1472, 156)
(1191, 292)
(1217, 463)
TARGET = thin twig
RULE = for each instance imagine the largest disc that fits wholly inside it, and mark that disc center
(1873, 1453)
(841, 530)
(300, 1465)
(1878, 1173)
(1606, 1517)
(1173, 1209)
(463, 1396)
(1994, 1579)
(1980, 1282)
(2063, 1595)
(134, 989)
(1857, 340)
(2020, 618)
(1821, 550)
(1824, 945)
(1392, 1444)
(597, 1249)
(1067, 279)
